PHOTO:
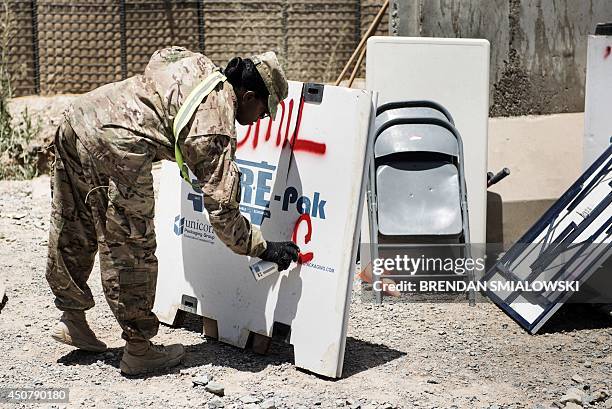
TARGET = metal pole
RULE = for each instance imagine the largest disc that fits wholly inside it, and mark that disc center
(201, 25)
(357, 22)
(284, 23)
(122, 28)
(362, 43)
(35, 49)
(356, 67)
(394, 18)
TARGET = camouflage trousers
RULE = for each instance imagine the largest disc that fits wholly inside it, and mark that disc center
(94, 211)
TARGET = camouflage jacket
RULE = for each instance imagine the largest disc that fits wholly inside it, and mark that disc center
(127, 124)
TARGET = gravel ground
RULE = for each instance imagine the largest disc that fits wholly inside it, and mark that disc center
(398, 355)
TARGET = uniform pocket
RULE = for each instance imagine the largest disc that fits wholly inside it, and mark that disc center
(125, 155)
(136, 276)
(233, 184)
(131, 209)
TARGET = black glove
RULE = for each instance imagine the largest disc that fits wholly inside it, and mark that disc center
(281, 253)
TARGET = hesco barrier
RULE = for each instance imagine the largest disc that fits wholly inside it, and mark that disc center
(19, 37)
(64, 46)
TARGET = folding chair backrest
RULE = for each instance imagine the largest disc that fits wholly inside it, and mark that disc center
(411, 109)
(416, 138)
(398, 136)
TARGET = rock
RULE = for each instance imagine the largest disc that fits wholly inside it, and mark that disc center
(201, 380)
(2, 294)
(215, 388)
(597, 396)
(268, 404)
(588, 364)
(572, 395)
(215, 403)
(246, 399)
(340, 402)
(578, 379)
(608, 404)
(572, 405)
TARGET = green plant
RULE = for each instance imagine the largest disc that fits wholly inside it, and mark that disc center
(18, 159)
(5, 80)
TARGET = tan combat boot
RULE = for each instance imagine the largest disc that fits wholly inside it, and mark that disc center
(73, 330)
(143, 357)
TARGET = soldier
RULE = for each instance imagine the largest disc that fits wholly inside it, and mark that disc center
(103, 189)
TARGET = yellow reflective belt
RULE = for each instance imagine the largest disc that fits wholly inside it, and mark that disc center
(191, 103)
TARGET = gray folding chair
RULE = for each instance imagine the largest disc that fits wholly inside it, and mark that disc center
(416, 189)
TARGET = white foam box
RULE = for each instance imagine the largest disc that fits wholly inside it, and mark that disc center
(453, 72)
(598, 98)
(310, 191)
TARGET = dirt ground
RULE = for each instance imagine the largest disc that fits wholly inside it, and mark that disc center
(398, 355)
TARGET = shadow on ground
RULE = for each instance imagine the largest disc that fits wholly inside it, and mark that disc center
(575, 317)
(360, 355)
(111, 357)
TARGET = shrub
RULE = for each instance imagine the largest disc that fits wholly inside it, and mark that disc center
(18, 159)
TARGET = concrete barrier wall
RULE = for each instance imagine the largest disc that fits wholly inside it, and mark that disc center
(538, 47)
(544, 155)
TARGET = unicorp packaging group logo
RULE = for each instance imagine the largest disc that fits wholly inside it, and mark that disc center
(179, 225)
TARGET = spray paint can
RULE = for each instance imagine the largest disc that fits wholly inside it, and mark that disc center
(263, 269)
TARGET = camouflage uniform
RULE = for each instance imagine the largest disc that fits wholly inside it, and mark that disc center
(103, 188)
